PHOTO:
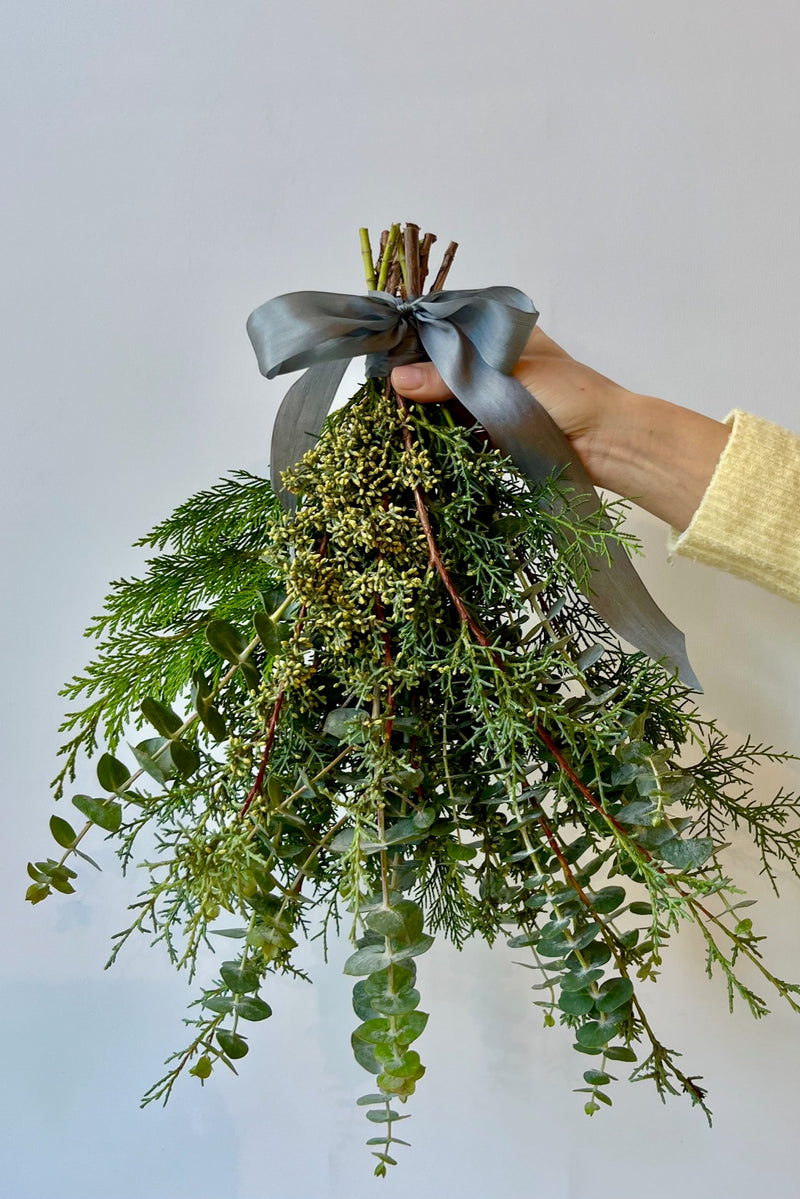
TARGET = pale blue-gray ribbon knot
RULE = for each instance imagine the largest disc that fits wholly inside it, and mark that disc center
(474, 338)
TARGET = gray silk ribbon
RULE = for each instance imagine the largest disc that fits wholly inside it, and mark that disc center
(474, 338)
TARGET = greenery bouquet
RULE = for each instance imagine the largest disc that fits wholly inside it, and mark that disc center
(380, 696)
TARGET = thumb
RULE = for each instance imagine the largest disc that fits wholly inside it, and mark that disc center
(421, 382)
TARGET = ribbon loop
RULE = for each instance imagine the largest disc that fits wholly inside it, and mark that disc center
(474, 338)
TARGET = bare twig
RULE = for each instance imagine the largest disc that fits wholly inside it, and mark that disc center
(381, 252)
(411, 247)
(444, 269)
(424, 253)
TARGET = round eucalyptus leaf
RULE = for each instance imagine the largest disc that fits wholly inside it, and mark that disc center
(576, 1003)
(232, 1044)
(111, 773)
(593, 1035)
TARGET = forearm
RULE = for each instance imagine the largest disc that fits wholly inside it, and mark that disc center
(655, 453)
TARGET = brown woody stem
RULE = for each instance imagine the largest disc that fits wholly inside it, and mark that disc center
(424, 253)
(411, 248)
(444, 269)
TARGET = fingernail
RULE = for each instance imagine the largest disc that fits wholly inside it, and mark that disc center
(408, 378)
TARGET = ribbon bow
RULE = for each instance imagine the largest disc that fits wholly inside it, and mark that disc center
(474, 338)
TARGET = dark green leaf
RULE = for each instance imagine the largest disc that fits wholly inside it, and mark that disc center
(364, 1054)
(222, 1004)
(384, 921)
(410, 1026)
(37, 892)
(688, 854)
(212, 720)
(366, 961)
(346, 724)
(225, 640)
(411, 919)
(362, 1005)
(376, 1032)
(412, 828)
(271, 936)
(579, 980)
(275, 790)
(395, 1002)
(596, 954)
(240, 979)
(594, 1035)
(522, 940)
(253, 1008)
(509, 527)
(63, 833)
(576, 1003)
(62, 885)
(232, 1044)
(111, 773)
(638, 812)
(184, 757)
(409, 1066)
(55, 870)
(402, 950)
(620, 1053)
(404, 780)
(614, 993)
(596, 1078)
(607, 899)
(383, 1117)
(559, 946)
(268, 633)
(105, 813)
(589, 656)
(384, 1157)
(369, 1101)
(163, 719)
(160, 768)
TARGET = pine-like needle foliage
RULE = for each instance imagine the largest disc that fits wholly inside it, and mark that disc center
(425, 726)
(152, 630)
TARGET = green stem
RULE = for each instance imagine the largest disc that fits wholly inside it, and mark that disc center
(388, 255)
(366, 254)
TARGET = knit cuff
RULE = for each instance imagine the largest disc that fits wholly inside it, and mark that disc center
(748, 521)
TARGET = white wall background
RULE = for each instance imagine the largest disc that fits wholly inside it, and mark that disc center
(168, 166)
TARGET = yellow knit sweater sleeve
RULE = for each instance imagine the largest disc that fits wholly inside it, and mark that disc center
(748, 522)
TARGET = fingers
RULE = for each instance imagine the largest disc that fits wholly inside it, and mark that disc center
(420, 382)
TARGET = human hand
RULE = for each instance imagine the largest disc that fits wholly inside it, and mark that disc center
(657, 453)
(579, 399)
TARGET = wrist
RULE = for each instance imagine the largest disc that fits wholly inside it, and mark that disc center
(654, 452)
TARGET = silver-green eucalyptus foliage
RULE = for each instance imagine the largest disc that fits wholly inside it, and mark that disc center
(396, 707)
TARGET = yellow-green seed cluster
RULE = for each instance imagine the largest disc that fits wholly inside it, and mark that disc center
(355, 548)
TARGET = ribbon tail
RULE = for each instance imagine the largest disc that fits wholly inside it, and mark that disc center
(523, 430)
(531, 438)
(300, 419)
